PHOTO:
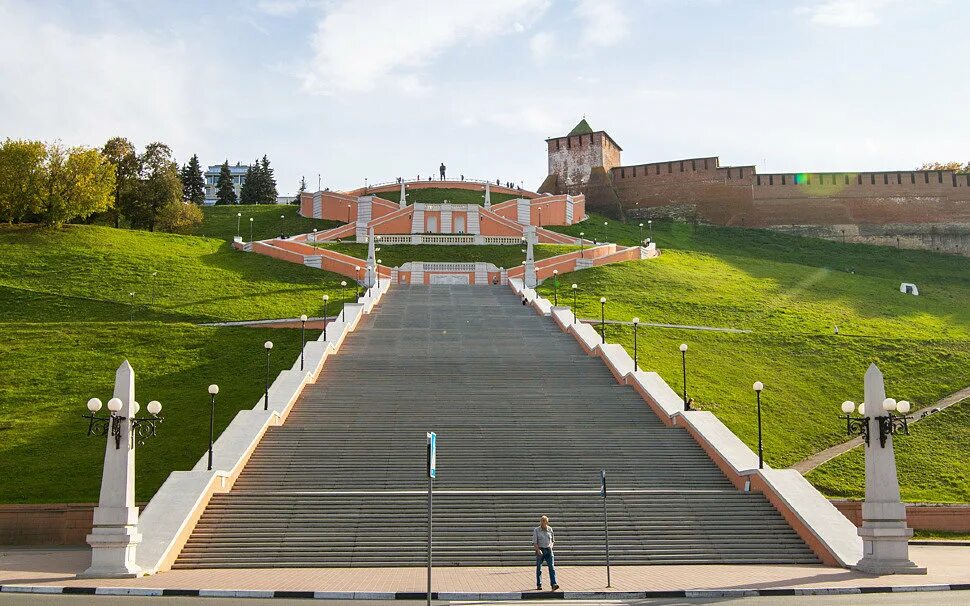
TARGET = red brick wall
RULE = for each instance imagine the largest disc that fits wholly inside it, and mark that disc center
(950, 518)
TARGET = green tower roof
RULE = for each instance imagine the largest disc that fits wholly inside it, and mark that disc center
(583, 128)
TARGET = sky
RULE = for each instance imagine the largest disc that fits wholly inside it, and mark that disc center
(375, 89)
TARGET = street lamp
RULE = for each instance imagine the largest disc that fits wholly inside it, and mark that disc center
(888, 424)
(325, 299)
(650, 227)
(282, 231)
(636, 324)
(683, 355)
(555, 287)
(641, 233)
(574, 288)
(377, 274)
(343, 284)
(250, 230)
(605, 231)
(302, 337)
(357, 270)
(581, 234)
(238, 219)
(758, 386)
(141, 428)
(603, 319)
(213, 390)
(348, 213)
(269, 347)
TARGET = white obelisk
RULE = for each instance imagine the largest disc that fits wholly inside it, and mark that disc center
(885, 536)
(530, 264)
(115, 534)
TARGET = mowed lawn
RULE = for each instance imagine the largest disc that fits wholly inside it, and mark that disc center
(67, 321)
(791, 293)
(501, 256)
(437, 195)
(221, 221)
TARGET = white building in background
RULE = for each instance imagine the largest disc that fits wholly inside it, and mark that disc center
(238, 173)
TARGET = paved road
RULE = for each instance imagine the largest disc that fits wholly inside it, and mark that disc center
(939, 598)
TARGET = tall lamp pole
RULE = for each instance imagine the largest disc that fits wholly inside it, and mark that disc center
(641, 233)
(636, 323)
(650, 227)
(555, 287)
(213, 390)
(250, 230)
(582, 252)
(238, 219)
(343, 284)
(282, 230)
(325, 299)
(758, 386)
(603, 319)
(303, 319)
(683, 355)
(269, 347)
(357, 275)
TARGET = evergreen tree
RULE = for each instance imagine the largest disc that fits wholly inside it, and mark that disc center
(193, 183)
(267, 183)
(301, 190)
(225, 194)
(247, 193)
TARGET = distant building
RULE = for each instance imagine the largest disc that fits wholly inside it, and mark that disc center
(238, 173)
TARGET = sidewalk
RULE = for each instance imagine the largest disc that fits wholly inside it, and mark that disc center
(948, 566)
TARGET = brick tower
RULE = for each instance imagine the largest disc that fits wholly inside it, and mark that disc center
(581, 163)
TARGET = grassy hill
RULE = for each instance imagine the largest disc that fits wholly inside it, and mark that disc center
(220, 221)
(502, 256)
(437, 195)
(790, 293)
(67, 322)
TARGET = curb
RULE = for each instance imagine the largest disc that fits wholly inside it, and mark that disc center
(453, 596)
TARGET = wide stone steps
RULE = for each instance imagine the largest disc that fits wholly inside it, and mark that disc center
(525, 423)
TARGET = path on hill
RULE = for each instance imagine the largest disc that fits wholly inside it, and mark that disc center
(595, 321)
(808, 464)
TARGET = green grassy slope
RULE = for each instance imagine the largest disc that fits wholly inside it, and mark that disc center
(437, 195)
(501, 256)
(220, 221)
(790, 292)
(66, 323)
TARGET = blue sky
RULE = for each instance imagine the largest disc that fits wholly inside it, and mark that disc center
(355, 89)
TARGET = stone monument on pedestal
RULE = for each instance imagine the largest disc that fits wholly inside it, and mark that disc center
(403, 202)
(115, 534)
(885, 536)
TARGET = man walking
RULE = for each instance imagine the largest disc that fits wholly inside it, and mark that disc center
(543, 540)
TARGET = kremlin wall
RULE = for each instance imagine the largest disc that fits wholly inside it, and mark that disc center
(906, 208)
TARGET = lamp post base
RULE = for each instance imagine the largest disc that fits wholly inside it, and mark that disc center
(885, 545)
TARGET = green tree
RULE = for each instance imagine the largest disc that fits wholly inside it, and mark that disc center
(301, 190)
(954, 166)
(160, 185)
(225, 194)
(267, 183)
(76, 183)
(193, 183)
(180, 218)
(123, 155)
(247, 193)
(21, 175)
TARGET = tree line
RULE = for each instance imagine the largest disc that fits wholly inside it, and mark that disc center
(956, 167)
(259, 187)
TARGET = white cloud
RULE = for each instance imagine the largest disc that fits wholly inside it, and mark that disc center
(83, 87)
(280, 8)
(844, 13)
(542, 46)
(604, 22)
(361, 46)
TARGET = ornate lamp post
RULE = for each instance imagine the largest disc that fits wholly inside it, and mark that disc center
(114, 537)
(303, 320)
(603, 319)
(885, 535)
(555, 287)
(683, 356)
(269, 348)
(636, 324)
(758, 386)
(575, 287)
(213, 390)
(325, 299)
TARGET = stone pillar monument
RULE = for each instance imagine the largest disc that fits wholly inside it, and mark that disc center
(885, 536)
(115, 534)
(488, 196)
(530, 279)
(370, 277)
(403, 201)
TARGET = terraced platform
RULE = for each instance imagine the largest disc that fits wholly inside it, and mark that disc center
(525, 421)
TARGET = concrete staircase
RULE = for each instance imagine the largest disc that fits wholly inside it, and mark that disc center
(525, 422)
